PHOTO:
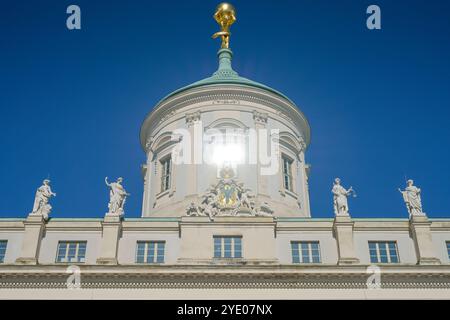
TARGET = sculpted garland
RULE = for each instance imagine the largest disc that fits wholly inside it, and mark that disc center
(228, 198)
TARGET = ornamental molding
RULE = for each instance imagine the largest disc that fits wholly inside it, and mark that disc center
(292, 142)
(227, 102)
(167, 116)
(148, 144)
(93, 225)
(192, 118)
(228, 197)
(224, 280)
(285, 108)
(285, 117)
(163, 140)
(260, 117)
(226, 123)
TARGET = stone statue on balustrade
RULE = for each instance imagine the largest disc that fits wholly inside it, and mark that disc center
(41, 201)
(117, 197)
(411, 196)
(340, 195)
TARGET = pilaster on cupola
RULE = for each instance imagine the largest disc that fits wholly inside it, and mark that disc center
(112, 229)
(262, 137)
(343, 233)
(420, 231)
(146, 170)
(34, 232)
(195, 129)
(305, 168)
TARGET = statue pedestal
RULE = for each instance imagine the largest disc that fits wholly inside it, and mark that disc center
(112, 227)
(419, 227)
(343, 232)
(34, 229)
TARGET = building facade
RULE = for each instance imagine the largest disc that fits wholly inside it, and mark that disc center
(225, 214)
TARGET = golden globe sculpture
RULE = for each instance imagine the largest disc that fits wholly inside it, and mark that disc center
(225, 16)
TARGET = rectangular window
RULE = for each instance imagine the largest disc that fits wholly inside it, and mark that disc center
(3, 244)
(166, 172)
(71, 251)
(305, 252)
(448, 249)
(227, 247)
(150, 252)
(287, 173)
(383, 252)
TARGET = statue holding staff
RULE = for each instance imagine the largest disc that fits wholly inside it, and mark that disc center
(340, 195)
(412, 198)
(117, 196)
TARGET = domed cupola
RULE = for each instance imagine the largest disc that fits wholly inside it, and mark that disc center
(226, 75)
(225, 145)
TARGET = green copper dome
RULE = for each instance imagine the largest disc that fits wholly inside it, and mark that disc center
(226, 75)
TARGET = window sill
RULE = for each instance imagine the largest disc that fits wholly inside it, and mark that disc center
(292, 194)
(228, 260)
(163, 194)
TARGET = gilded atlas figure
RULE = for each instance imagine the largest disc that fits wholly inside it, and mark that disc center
(340, 194)
(225, 16)
(413, 201)
(41, 201)
(117, 197)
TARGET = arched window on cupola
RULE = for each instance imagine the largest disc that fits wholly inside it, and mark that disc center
(290, 149)
(225, 143)
(162, 147)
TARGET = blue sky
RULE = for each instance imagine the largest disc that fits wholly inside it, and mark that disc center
(72, 102)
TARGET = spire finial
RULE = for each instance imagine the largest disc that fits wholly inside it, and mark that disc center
(225, 16)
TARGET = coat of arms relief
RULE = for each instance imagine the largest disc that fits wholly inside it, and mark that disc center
(228, 198)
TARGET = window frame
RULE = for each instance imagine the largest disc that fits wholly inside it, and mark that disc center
(386, 248)
(156, 249)
(289, 175)
(166, 178)
(297, 246)
(162, 149)
(223, 244)
(3, 255)
(447, 245)
(67, 250)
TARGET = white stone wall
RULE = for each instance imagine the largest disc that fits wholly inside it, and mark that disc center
(328, 247)
(405, 245)
(190, 239)
(193, 180)
(439, 239)
(13, 246)
(49, 244)
(258, 238)
(129, 239)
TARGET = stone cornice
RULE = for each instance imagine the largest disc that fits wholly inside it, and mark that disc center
(73, 225)
(172, 224)
(187, 276)
(254, 268)
(227, 93)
